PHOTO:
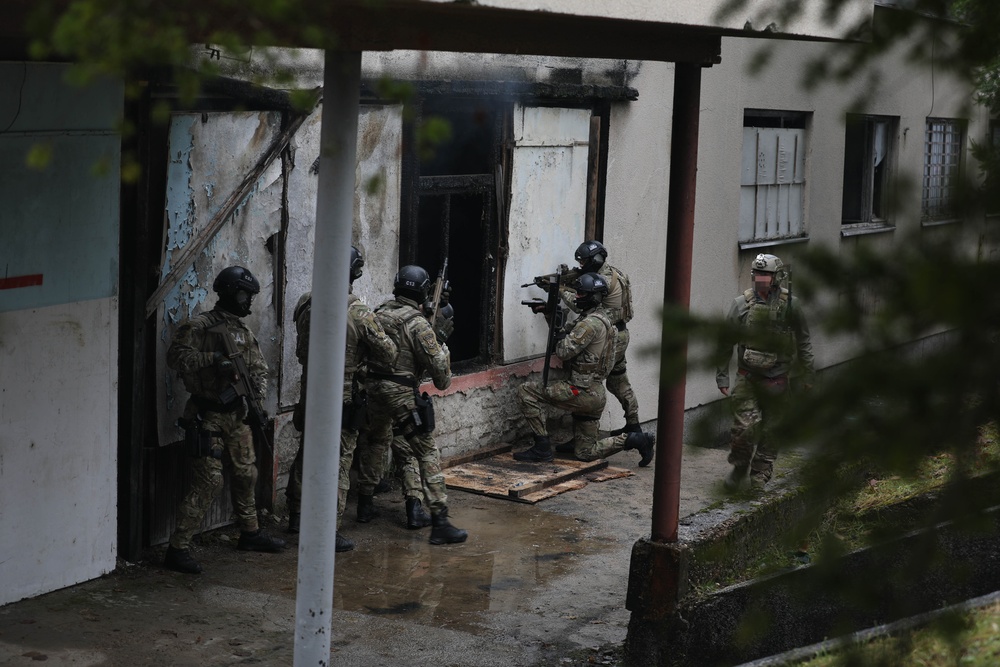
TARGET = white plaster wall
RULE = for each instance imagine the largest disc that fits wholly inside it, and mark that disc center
(58, 450)
(721, 271)
(635, 222)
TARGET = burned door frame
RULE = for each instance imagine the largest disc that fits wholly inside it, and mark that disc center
(495, 187)
(141, 240)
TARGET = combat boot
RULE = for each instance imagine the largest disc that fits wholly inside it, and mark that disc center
(181, 560)
(366, 508)
(416, 516)
(540, 452)
(293, 522)
(568, 447)
(443, 532)
(760, 478)
(737, 477)
(343, 544)
(643, 442)
(259, 541)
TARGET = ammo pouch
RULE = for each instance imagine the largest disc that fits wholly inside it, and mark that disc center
(197, 440)
(759, 361)
(423, 412)
(355, 412)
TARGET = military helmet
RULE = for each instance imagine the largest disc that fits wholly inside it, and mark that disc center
(412, 281)
(357, 263)
(591, 255)
(236, 288)
(591, 288)
(764, 263)
(235, 278)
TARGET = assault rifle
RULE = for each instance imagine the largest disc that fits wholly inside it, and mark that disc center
(552, 310)
(242, 388)
(438, 287)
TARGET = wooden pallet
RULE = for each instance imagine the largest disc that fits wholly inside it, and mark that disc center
(499, 475)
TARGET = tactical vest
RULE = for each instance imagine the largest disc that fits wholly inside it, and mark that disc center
(619, 298)
(768, 317)
(595, 362)
(208, 382)
(394, 318)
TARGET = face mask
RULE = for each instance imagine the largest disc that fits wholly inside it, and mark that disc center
(762, 282)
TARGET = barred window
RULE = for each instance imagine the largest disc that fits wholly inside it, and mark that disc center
(942, 167)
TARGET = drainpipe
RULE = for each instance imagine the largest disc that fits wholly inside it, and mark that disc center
(676, 292)
(327, 343)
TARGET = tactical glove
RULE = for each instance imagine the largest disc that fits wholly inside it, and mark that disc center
(443, 328)
(223, 363)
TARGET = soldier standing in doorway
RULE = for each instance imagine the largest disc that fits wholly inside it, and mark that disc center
(217, 434)
(774, 340)
(587, 350)
(365, 340)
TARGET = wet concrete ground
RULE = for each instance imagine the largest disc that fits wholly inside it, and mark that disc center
(534, 585)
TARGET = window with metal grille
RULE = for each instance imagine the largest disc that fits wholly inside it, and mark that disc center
(869, 157)
(942, 168)
(773, 181)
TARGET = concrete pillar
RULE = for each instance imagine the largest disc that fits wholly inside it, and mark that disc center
(327, 343)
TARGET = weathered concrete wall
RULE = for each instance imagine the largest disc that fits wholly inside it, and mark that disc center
(812, 603)
(58, 330)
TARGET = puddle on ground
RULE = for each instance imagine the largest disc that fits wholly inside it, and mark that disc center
(402, 576)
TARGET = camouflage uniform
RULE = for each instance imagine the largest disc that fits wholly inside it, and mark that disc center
(392, 403)
(365, 339)
(618, 306)
(191, 353)
(762, 376)
(588, 353)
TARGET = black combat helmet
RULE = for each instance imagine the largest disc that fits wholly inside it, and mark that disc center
(357, 263)
(412, 282)
(236, 288)
(591, 256)
(591, 288)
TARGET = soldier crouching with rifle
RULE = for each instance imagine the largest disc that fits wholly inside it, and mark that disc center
(215, 414)
(587, 350)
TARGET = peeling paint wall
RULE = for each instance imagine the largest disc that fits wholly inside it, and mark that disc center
(58, 330)
(209, 155)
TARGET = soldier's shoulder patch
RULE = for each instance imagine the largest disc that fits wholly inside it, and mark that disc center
(427, 339)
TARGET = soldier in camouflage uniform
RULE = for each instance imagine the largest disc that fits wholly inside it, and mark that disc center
(592, 257)
(770, 319)
(365, 339)
(397, 413)
(588, 353)
(222, 436)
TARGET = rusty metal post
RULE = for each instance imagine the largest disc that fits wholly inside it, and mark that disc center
(676, 292)
(327, 344)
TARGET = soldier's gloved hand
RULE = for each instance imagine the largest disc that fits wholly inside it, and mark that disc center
(444, 323)
(223, 363)
(445, 294)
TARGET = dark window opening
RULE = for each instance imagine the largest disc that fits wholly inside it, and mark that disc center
(869, 150)
(775, 118)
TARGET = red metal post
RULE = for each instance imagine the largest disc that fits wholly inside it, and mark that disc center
(676, 292)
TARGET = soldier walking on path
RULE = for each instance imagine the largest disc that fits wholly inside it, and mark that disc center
(365, 339)
(400, 415)
(773, 343)
(217, 434)
(587, 351)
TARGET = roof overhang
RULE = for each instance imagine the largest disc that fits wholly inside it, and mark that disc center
(675, 31)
